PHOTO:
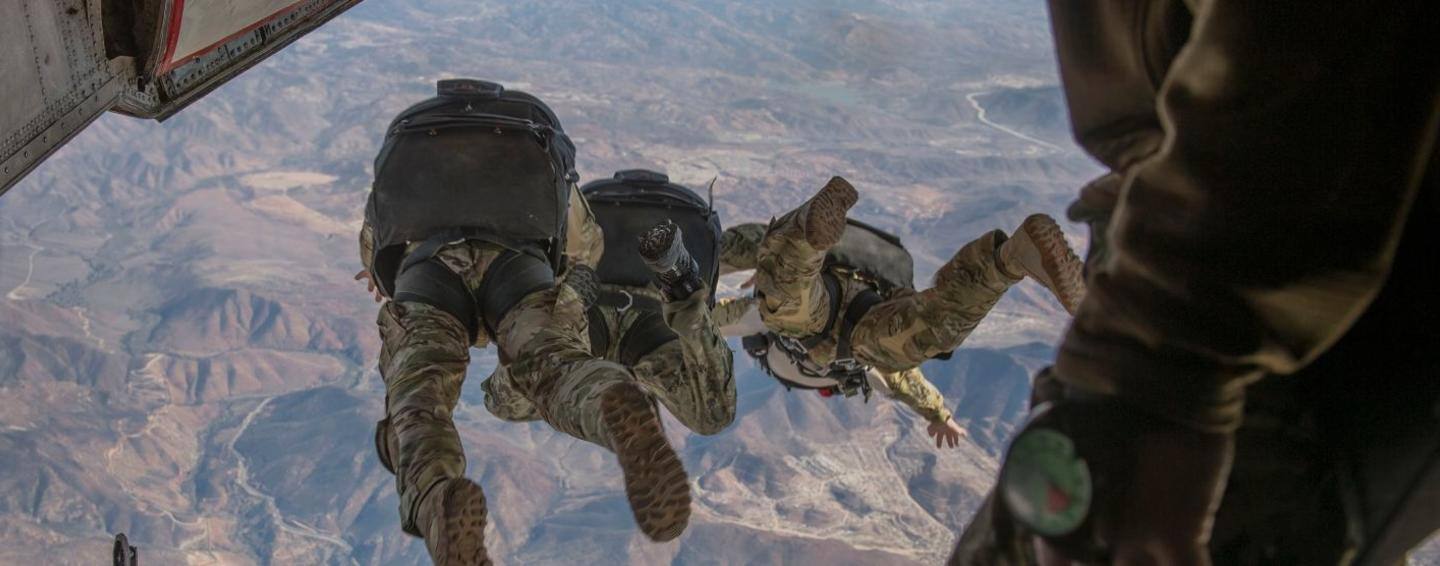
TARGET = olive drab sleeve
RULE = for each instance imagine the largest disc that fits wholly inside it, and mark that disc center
(911, 388)
(1295, 139)
(1113, 56)
(729, 311)
(740, 246)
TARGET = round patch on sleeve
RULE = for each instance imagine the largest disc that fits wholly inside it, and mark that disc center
(1045, 484)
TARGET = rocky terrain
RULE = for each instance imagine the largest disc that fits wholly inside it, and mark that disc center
(183, 356)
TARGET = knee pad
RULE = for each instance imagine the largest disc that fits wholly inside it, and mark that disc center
(431, 283)
(647, 334)
(513, 276)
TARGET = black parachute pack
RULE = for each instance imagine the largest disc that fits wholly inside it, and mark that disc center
(625, 206)
(874, 255)
(635, 200)
(864, 252)
(474, 162)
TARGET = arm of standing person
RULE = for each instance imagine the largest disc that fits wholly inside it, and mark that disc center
(1296, 136)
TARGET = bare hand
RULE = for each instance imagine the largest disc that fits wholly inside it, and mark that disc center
(947, 433)
(370, 286)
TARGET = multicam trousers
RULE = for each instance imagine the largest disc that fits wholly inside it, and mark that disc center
(423, 358)
(692, 375)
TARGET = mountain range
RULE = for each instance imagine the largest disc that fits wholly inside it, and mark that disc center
(185, 358)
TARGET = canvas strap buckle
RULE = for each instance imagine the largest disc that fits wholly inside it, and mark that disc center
(629, 302)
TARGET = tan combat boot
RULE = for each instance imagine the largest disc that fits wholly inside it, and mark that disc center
(1038, 250)
(822, 218)
(452, 517)
(655, 480)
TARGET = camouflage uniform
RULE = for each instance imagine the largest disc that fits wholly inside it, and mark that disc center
(739, 247)
(1262, 260)
(424, 353)
(729, 311)
(691, 375)
(907, 386)
(895, 336)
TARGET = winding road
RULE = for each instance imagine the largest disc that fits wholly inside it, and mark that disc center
(242, 479)
(974, 100)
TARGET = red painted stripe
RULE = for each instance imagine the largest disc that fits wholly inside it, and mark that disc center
(172, 35)
(175, 35)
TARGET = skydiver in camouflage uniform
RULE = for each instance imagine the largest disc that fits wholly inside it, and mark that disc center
(691, 372)
(739, 316)
(648, 301)
(423, 358)
(895, 336)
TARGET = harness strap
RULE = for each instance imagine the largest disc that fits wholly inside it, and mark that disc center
(423, 252)
(599, 332)
(857, 310)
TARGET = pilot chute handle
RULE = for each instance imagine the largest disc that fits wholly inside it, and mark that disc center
(642, 176)
(473, 88)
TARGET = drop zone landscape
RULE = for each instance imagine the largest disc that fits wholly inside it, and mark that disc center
(184, 357)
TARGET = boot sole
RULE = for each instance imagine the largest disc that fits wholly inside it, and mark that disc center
(655, 480)
(1059, 261)
(825, 218)
(462, 542)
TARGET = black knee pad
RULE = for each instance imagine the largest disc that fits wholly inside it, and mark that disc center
(513, 276)
(431, 283)
(645, 335)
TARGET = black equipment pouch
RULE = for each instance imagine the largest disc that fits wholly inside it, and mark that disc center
(758, 347)
(647, 333)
